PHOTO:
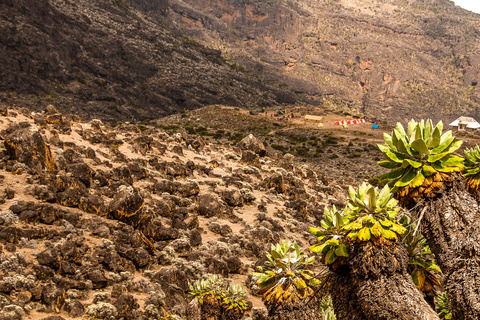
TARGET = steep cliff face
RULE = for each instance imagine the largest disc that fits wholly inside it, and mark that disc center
(114, 60)
(391, 59)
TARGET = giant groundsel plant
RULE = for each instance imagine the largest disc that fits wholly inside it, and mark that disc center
(421, 159)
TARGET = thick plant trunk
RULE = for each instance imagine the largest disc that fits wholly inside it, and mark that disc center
(307, 309)
(375, 285)
(210, 310)
(451, 225)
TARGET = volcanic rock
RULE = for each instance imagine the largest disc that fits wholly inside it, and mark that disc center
(25, 144)
(253, 144)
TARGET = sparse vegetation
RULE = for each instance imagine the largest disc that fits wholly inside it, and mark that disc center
(285, 277)
(213, 293)
(443, 306)
(471, 172)
(422, 266)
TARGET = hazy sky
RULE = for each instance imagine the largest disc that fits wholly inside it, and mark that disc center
(472, 5)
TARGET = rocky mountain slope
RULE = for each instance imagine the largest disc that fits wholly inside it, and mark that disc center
(135, 59)
(384, 59)
(115, 60)
(114, 222)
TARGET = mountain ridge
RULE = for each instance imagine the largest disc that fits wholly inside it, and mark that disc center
(132, 60)
(368, 55)
(111, 61)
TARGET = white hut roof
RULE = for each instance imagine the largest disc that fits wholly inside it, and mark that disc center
(470, 122)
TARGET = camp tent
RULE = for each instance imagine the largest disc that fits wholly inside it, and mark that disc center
(356, 121)
(375, 126)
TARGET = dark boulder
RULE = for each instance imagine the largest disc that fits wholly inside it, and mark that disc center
(90, 153)
(216, 266)
(233, 197)
(189, 188)
(126, 304)
(250, 158)
(137, 170)
(70, 197)
(195, 238)
(126, 204)
(93, 204)
(53, 296)
(25, 144)
(143, 144)
(97, 277)
(13, 233)
(114, 262)
(74, 308)
(253, 144)
(234, 264)
(155, 230)
(209, 205)
(197, 143)
(123, 173)
(82, 172)
(5, 287)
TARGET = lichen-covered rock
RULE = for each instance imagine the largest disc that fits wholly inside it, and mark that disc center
(216, 266)
(102, 310)
(250, 158)
(41, 192)
(25, 144)
(70, 197)
(93, 204)
(97, 277)
(143, 144)
(126, 203)
(123, 173)
(12, 312)
(53, 296)
(74, 308)
(101, 297)
(126, 304)
(82, 172)
(8, 217)
(234, 264)
(189, 188)
(198, 143)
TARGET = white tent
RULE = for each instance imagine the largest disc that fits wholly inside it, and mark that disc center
(464, 123)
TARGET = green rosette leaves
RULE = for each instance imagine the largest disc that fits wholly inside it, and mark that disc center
(370, 215)
(330, 236)
(471, 173)
(285, 277)
(418, 153)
